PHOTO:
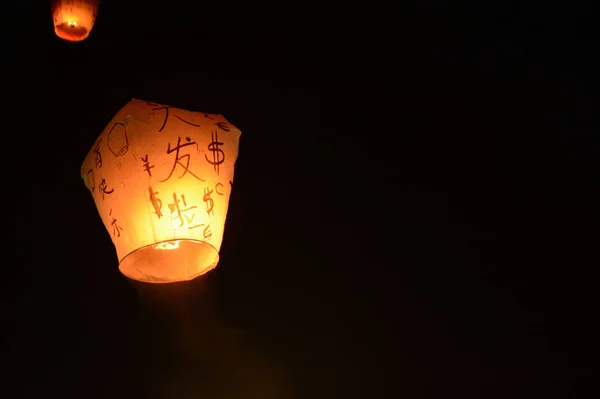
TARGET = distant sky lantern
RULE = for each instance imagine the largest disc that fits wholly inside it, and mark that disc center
(74, 19)
(161, 178)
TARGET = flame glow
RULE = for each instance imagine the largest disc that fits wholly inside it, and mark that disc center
(167, 245)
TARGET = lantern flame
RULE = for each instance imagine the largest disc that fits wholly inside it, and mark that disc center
(167, 245)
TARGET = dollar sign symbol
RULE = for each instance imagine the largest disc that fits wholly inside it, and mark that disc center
(208, 201)
(156, 202)
(207, 232)
(218, 154)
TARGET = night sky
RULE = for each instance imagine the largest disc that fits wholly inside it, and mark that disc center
(411, 217)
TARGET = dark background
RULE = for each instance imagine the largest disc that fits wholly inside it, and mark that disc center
(412, 213)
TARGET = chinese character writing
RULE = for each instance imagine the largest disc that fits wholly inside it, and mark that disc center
(103, 188)
(147, 165)
(166, 116)
(167, 108)
(97, 154)
(181, 214)
(184, 121)
(222, 126)
(116, 228)
(178, 158)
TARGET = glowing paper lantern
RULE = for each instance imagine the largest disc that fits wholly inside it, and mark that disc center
(74, 19)
(161, 178)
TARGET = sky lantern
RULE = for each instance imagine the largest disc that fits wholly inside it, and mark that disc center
(74, 19)
(161, 178)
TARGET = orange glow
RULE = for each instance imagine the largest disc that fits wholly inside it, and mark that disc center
(167, 245)
(161, 178)
(74, 19)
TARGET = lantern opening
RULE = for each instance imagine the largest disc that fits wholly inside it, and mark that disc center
(170, 261)
(71, 31)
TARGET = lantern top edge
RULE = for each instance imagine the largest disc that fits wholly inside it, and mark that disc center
(127, 113)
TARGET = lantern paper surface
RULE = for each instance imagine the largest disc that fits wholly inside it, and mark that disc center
(74, 19)
(161, 178)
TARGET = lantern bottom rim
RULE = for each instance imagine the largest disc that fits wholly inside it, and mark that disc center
(170, 261)
(71, 33)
